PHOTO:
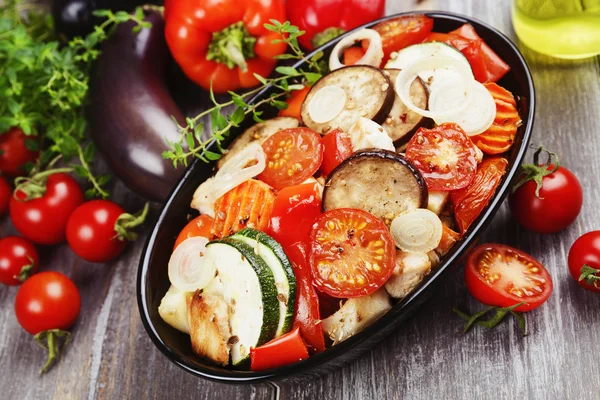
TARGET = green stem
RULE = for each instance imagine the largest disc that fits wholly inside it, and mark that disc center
(501, 312)
(103, 193)
(537, 171)
(35, 186)
(126, 222)
(49, 340)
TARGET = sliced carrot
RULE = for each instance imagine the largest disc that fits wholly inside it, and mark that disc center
(353, 54)
(248, 205)
(501, 135)
(295, 103)
(449, 237)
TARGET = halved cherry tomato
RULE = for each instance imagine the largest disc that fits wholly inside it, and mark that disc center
(293, 156)
(337, 146)
(400, 32)
(495, 66)
(284, 350)
(353, 54)
(585, 252)
(295, 210)
(199, 226)
(353, 253)
(445, 155)
(471, 49)
(307, 316)
(499, 275)
(295, 103)
(470, 201)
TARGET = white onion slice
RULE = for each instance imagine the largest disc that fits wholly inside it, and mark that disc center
(476, 118)
(365, 134)
(189, 268)
(463, 81)
(372, 57)
(246, 164)
(418, 230)
(326, 104)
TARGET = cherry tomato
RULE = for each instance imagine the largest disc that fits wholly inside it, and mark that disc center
(5, 195)
(307, 315)
(91, 231)
(499, 275)
(18, 260)
(471, 49)
(445, 155)
(401, 32)
(44, 219)
(352, 254)
(295, 211)
(470, 201)
(586, 252)
(284, 350)
(199, 226)
(293, 156)
(48, 300)
(558, 205)
(337, 146)
(295, 103)
(14, 154)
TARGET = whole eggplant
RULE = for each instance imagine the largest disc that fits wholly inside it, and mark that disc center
(75, 18)
(131, 109)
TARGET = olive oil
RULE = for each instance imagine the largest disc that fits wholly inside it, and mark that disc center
(559, 28)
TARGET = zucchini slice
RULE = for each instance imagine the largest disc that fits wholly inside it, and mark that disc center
(273, 255)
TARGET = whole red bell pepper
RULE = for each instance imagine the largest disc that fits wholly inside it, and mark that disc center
(223, 43)
(323, 20)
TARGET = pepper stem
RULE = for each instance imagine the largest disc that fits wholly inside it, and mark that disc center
(232, 46)
(50, 340)
(327, 35)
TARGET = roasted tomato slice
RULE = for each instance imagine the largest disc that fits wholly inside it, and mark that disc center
(445, 155)
(400, 32)
(293, 155)
(470, 201)
(352, 253)
(502, 276)
(337, 146)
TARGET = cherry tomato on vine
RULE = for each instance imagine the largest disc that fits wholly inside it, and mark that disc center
(5, 195)
(499, 275)
(199, 226)
(548, 198)
(14, 153)
(584, 261)
(18, 260)
(44, 219)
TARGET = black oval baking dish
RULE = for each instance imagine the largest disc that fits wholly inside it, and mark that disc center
(153, 281)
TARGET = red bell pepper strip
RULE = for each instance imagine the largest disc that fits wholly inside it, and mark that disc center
(284, 350)
(223, 43)
(324, 20)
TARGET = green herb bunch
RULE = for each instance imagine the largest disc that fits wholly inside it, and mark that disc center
(44, 85)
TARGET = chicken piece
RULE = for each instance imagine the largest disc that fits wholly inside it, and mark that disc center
(410, 270)
(173, 309)
(209, 327)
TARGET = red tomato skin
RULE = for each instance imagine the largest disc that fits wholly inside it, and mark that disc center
(48, 300)
(14, 154)
(471, 49)
(585, 251)
(15, 253)
(44, 220)
(560, 203)
(199, 226)
(295, 211)
(5, 195)
(284, 350)
(337, 147)
(91, 231)
(307, 315)
(485, 294)
(401, 32)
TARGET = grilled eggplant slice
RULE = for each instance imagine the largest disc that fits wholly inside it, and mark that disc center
(368, 91)
(402, 123)
(258, 133)
(377, 181)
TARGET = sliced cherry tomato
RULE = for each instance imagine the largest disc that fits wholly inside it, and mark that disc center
(14, 153)
(5, 195)
(401, 32)
(307, 316)
(293, 156)
(445, 155)
(295, 211)
(337, 146)
(584, 261)
(284, 350)
(471, 49)
(18, 260)
(470, 201)
(499, 275)
(495, 66)
(353, 54)
(44, 219)
(199, 226)
(295, 103)
(353, 253)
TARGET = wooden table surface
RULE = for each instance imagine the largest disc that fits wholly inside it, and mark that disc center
(111, 356)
